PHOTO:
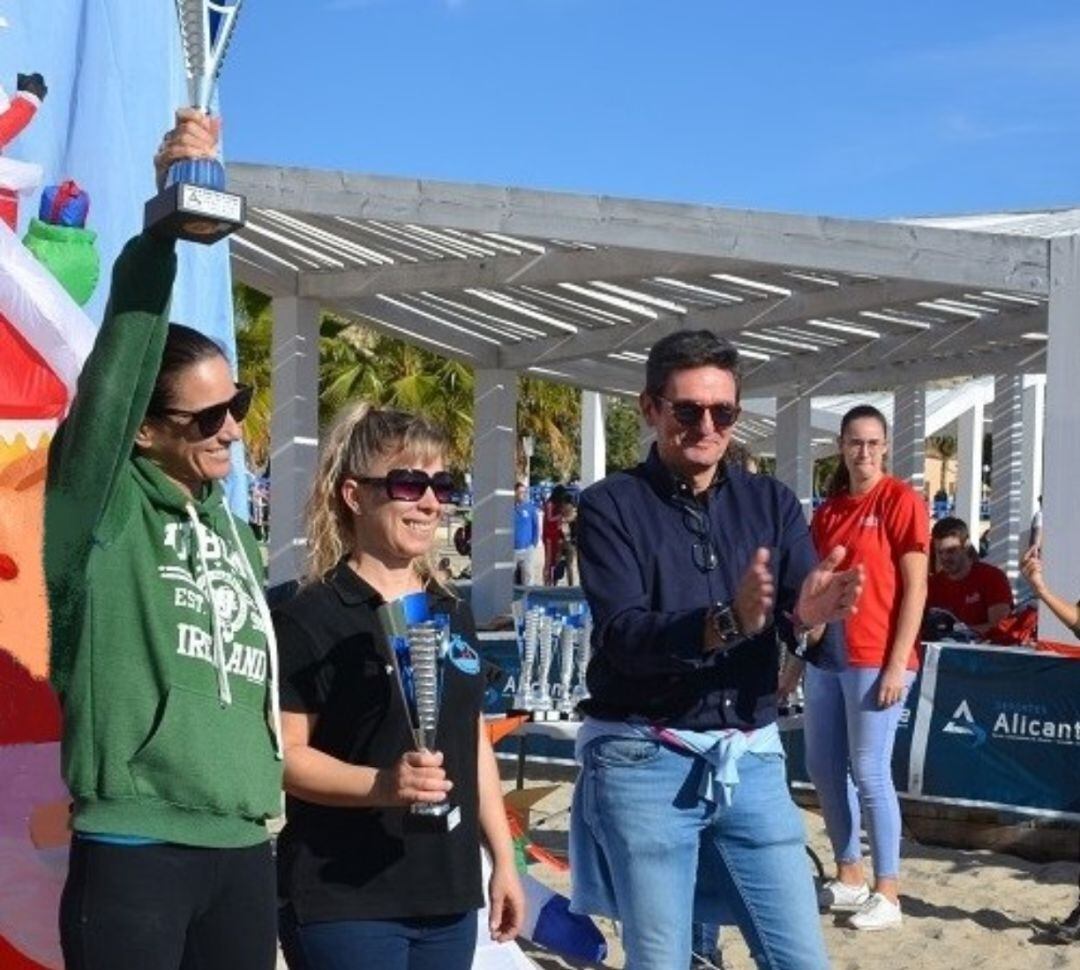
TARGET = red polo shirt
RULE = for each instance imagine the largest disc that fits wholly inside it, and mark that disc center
(969, 598)
(876, 528)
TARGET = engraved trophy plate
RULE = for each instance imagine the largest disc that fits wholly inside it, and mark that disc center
(194, 204)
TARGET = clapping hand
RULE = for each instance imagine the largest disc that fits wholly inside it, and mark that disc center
(755, 596)
(828, 595)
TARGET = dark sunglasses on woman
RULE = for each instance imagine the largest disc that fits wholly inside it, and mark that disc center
(209, 420)
(409, 485)
(689, 413)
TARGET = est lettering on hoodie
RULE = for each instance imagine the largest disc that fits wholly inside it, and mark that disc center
(161, 646)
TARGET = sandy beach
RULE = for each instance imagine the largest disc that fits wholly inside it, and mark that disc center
(962, 909)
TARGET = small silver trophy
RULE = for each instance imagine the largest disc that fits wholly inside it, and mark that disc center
(582, 652)
(567, 640)
(548, 635)
(194, 204)
(417, 648)
(528, 635)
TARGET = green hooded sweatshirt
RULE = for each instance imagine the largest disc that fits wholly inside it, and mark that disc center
(161, 646)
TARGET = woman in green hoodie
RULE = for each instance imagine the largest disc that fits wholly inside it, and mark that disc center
(162, 647)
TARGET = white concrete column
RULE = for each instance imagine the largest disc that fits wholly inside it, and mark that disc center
(646, 437)
(909, 435)
(593, 438)
(969, 462)
(1034, 436)
(1006, 476)
(1061, 523)
(294, 431)
(794, 460)
(494, 461)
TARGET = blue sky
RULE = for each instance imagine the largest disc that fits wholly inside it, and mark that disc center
(864, 108)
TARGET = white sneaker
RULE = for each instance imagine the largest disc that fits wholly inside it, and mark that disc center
(842, 896)
(877, 913)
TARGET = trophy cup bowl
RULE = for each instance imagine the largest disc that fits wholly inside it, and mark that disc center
(194, 204)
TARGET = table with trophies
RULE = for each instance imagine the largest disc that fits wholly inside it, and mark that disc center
(553, 631)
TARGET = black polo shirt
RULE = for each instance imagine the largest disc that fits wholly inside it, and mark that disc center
(366, 863)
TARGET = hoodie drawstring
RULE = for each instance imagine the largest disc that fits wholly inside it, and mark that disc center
(271, 638)
(224, 690)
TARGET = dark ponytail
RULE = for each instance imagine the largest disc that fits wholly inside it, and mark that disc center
(840, 481)
(183, 348)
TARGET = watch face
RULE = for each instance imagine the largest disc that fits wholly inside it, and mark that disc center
(724, 623)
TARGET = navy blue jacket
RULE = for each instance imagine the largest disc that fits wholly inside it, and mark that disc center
(649, 591)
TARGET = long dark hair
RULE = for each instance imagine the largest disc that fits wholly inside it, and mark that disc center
(183, 348)
(840, 482)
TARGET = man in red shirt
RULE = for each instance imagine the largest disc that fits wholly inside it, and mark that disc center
(975, 592)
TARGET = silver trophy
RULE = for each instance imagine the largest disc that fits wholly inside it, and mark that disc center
(528, 634)
(583, 645)
(417, 646)
(548, 636)
(568, 636)
(194, 204)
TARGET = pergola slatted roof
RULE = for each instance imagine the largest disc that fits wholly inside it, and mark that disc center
(577, 288)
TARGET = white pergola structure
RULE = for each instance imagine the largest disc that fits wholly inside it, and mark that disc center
(576, 289)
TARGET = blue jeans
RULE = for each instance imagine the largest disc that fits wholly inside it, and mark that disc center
(433, 943)
(673, 858)
(849, 746)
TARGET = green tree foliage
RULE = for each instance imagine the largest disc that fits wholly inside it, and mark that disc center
(623, 434)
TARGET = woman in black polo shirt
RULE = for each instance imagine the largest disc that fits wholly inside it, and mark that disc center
(362, 884)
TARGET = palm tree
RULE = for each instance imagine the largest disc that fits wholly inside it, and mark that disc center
(254, 334)
(944, 448)
(551, 414)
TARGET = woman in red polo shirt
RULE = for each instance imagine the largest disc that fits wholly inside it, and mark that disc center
(852, 714)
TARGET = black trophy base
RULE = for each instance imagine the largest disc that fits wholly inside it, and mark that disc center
(194, 213)
(437, 818)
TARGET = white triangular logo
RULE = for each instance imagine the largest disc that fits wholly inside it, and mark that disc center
(962, 714)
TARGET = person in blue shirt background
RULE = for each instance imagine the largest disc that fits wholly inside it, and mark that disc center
(526, 536)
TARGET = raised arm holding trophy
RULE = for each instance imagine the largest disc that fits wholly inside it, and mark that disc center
(192, 202)
(162, 646)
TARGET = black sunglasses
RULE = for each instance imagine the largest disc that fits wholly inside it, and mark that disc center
(209, 420)
(703, 552)
(689, 413)
(409, 485)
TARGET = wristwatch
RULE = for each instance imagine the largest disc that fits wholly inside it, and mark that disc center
(725, 625)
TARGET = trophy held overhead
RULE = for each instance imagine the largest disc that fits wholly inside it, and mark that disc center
(193, 203)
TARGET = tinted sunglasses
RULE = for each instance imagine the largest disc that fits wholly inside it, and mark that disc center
(209, 420)
(410, 484)
(689, 413)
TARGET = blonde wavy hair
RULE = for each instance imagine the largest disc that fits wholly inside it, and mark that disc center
(359, 436)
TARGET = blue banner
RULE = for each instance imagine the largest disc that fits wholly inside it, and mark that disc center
(998, 727)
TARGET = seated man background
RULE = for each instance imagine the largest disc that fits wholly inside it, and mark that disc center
(975, 592)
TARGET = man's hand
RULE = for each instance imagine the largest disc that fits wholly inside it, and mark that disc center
(32, 84)
(827, 595)
(507, 910)
(195, 135)
(754, 599)
(1031, 569)
(418, 776)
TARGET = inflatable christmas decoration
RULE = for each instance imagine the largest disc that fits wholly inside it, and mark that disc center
(44, 339)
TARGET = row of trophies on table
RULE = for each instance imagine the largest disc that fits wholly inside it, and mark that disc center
(554, 647)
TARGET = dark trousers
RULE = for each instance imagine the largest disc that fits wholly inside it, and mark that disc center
(168, 907)
(432, 943)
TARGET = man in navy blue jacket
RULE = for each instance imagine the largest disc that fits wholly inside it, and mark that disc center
(694, 571)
